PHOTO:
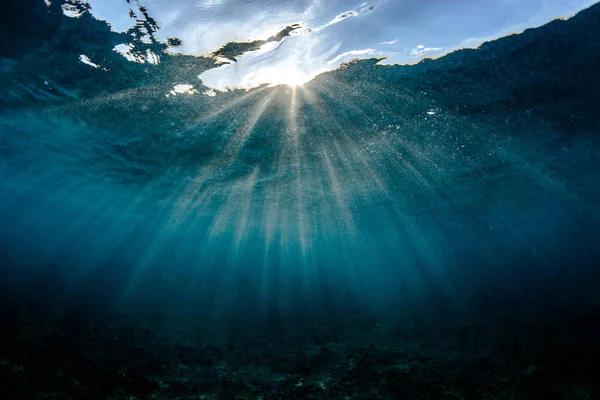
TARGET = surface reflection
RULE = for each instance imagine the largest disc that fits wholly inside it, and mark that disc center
(291, 42)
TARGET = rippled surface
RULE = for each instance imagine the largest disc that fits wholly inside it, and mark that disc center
(464, 187)
(329, 33)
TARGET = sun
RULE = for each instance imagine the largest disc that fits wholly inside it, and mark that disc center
(289, 72)
(288, 76)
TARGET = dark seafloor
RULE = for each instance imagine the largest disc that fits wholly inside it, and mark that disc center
(386, 232)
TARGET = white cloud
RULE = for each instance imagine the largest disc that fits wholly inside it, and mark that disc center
(421, 51)
(293, 62)
(351, 53)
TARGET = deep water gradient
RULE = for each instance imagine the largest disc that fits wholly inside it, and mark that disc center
(383, 232)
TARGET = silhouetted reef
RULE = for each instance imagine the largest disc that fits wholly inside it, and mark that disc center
(72, 355)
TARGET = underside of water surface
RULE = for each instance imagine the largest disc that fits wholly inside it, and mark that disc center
(427, 231)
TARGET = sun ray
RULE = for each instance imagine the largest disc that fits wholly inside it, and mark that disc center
(219, 108)
(336, 187)
(198, 190)
(364, 171)
(238, 139)
(361, 169)
(271, 214)
(245, 207)
(297, 161)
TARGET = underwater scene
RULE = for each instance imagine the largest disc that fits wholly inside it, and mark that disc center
(304, 199)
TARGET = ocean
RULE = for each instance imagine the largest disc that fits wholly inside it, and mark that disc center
(426, 231)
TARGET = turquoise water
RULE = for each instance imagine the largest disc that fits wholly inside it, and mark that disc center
(456, 198)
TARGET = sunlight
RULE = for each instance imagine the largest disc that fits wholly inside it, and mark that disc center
(297, 157)
(241, 76)
(290, 77)
(286, 73)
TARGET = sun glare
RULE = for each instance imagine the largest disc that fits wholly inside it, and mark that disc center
(290, 77)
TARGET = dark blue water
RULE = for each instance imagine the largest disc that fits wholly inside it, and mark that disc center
(422, 231)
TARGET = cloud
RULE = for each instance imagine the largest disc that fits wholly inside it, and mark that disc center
(421, 51)
(294, 61)
(352, 53)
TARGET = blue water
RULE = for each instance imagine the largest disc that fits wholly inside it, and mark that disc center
(458, 191)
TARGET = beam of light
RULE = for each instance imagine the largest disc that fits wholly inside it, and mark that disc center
(334, 95)
(221, 221)
(156, 238)
(220, 108)
(232, 222)
(196, 192)
(275, 212)
(297, 162)
(362, 170)
(359, 171)
(187, 196)
(383, 144)
(273, 221)
(271, 213)
(245, 208)
(238, 139)
(336, 186)
(96, 207)
(234, 214)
